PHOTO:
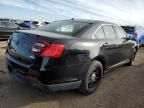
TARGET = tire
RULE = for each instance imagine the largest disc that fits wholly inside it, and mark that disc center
(130, 63)
(92, 78)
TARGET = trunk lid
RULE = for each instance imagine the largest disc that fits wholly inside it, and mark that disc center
(21, 42)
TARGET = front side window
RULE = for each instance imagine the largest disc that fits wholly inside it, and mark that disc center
(120, 33)
(109, 32)
(128, 29)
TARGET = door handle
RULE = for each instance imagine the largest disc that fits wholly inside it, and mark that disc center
(105, 44)
(123, 43)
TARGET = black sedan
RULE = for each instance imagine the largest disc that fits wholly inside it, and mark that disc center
(7, 28)
(68, 54)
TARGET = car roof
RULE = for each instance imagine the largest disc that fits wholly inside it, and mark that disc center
(127, 26)
(89, 21)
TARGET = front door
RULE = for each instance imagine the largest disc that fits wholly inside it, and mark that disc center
(112, 46)
(126, 46)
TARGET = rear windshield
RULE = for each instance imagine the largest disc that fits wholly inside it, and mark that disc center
(72, 28)
(128, 29)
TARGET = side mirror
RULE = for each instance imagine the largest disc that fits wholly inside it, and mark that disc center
(129, 36)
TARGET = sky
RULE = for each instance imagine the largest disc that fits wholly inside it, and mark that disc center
(117, 11)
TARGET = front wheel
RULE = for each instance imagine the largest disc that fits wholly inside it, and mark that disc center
(92, 78)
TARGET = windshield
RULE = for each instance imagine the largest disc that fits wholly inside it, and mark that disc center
(65, 27)
(128, 29)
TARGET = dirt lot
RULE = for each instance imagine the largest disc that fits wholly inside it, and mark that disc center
(2, 48)
(121, 88)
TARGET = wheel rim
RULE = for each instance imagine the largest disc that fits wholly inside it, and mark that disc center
(94, 78)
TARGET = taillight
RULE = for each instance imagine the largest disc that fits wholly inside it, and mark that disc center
(46, 49)
(135, 34)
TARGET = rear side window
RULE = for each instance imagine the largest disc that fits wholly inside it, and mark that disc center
(66, 27)
(109, 32)
(99, 34)
(120, 33)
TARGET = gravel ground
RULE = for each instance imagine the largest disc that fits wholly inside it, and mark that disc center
(2, 48)
(121, 88)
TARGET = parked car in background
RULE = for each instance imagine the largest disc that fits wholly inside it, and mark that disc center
(7, 28)
(136, 33)
(36, 24)
(45, 23)
(26, 24)
(68, 54)
(30, 24)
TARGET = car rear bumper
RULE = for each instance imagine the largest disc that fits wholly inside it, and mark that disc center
(54, 83)
(33, 82)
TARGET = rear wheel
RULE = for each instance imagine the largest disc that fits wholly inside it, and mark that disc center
(92, 78)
